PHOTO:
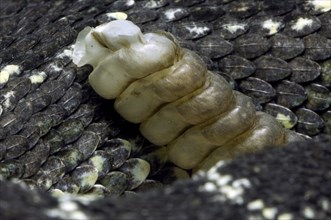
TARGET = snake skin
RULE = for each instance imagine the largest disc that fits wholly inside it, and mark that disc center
(255, 187)
(48, 110)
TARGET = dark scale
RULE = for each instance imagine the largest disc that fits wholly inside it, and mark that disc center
(319, 97)
(317, 47)
(205, 13)
(258, 89)
(50, 173)
(290, 94)
(14, 146)
(325, 29)
(143, 16)
(154, 26)
(251, 46)
(64, 37)
(185, 3)
(118, 151)
(304, 70)
(271, 69)
(87, 144)
(103, 130)
(71, 157)
(213, 47)
(286, 47)
(71, 100)
(237, 67)
(41, 151)
(55, 89)
(115, 182)
(67, 77)
(278, 7)
(28, 60)
(56, 112)
(32, 133)
(218, 2)
(71, 130)
(326, 73)
(31, 163)
(10, 124)
(41, 121)
(6, 41)
(53, 141)
(84, 113)
(67, 184)
(327, 119)
(309, 122)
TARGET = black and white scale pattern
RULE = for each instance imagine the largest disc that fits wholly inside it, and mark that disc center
(284, 184)
(54, 129)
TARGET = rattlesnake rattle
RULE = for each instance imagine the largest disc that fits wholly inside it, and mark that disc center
(176, 100)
